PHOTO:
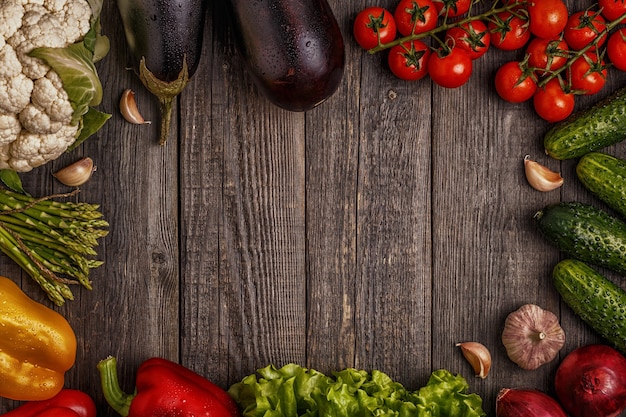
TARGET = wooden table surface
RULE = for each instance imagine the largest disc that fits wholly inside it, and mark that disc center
(375, 231)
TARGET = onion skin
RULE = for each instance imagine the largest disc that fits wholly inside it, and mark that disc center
(527, 403)
(591, 381)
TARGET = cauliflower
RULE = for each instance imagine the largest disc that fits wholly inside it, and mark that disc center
(37, 117)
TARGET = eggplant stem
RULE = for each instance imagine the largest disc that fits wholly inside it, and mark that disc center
(165, 91)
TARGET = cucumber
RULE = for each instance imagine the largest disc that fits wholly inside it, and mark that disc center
(589, 130)
(605, 176)
(585, 233)
(595, 299)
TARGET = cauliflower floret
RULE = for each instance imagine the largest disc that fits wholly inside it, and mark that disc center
(31, 150)
(39, 29)
(75, 17)
(49, 95)
(36, 120)
(10, 128)
(11, 66)
(11, 14)
(15, 93)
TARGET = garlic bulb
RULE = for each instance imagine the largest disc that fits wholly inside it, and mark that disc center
(541, 178)
(478, 356)
(532, 336)
(77, 173)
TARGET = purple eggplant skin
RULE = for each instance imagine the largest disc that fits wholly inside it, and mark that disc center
(164, 32)
(293, 49)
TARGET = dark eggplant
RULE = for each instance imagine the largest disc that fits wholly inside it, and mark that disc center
(165, 41)
(293, 49)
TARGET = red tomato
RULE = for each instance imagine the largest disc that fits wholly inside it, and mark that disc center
(584, 27)
(547, 18)
(450, 68)
(546, 54)
(472, 36)
(508, 31)
(612, 9)
(452, 8)
(514, 82)
(415, 16)
(374, 25)
(616, 49)
(409, 61)
(588, 74)
(552, 103)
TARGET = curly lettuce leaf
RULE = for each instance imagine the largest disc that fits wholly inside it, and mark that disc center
(295, 391)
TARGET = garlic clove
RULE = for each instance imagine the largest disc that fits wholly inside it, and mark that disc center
(478, 357)
(77, 173)
(532, 336)
(540, 177)
(129, 110)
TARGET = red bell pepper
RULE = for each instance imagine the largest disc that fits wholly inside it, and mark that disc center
(67, 403)
(164, 389)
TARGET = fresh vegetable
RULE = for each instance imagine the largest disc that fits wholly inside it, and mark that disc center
(605, 176)
(591, 381)
(540, 177)
(76, 173)
(526, 403)
(450, 67)
(547, 18)
(67, 403)
(585, 233)
(478, 356)
(165, 40)
(515, 82)
(129, 109)
(414, 16)
(299, 63)
(598, 301)
(597, 127)
(165, 389)
(472, 36)
(52, 241)
(552, 102)
(49, 85)
(373, 26)
(612, 9)
(532, 336)
(296, 391)
(583, 27)
(37, 346)
(409, 61)
(546, 55)
(616, 49)
(452, 8)
(588, 73)
(509, 31)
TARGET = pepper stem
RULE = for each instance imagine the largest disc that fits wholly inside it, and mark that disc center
(165, 91)
(117, 399)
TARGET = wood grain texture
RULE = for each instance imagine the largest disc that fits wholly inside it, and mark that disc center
(374, 231)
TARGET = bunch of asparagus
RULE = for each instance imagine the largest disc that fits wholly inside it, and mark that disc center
(52, 241)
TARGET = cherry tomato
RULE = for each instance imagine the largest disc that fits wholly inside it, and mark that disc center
(415, 16)
(612, 9)
(514, 82)
(409, 61)
(452, 8)
(616, 49)
(584, 27)
(547, 54)
(552, 103)
(588, 73)
(473, 36)
(450, 68)
(508, 31)
(547, 18)
(374, 25)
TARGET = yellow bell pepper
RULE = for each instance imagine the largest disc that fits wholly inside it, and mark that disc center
(37, 346)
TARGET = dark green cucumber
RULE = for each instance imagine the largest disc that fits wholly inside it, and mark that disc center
(595, 299)
(585, 233)
(605, 176)
(589, 130)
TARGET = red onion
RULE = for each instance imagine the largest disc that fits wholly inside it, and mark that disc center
(591, 381)
(527, 403)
